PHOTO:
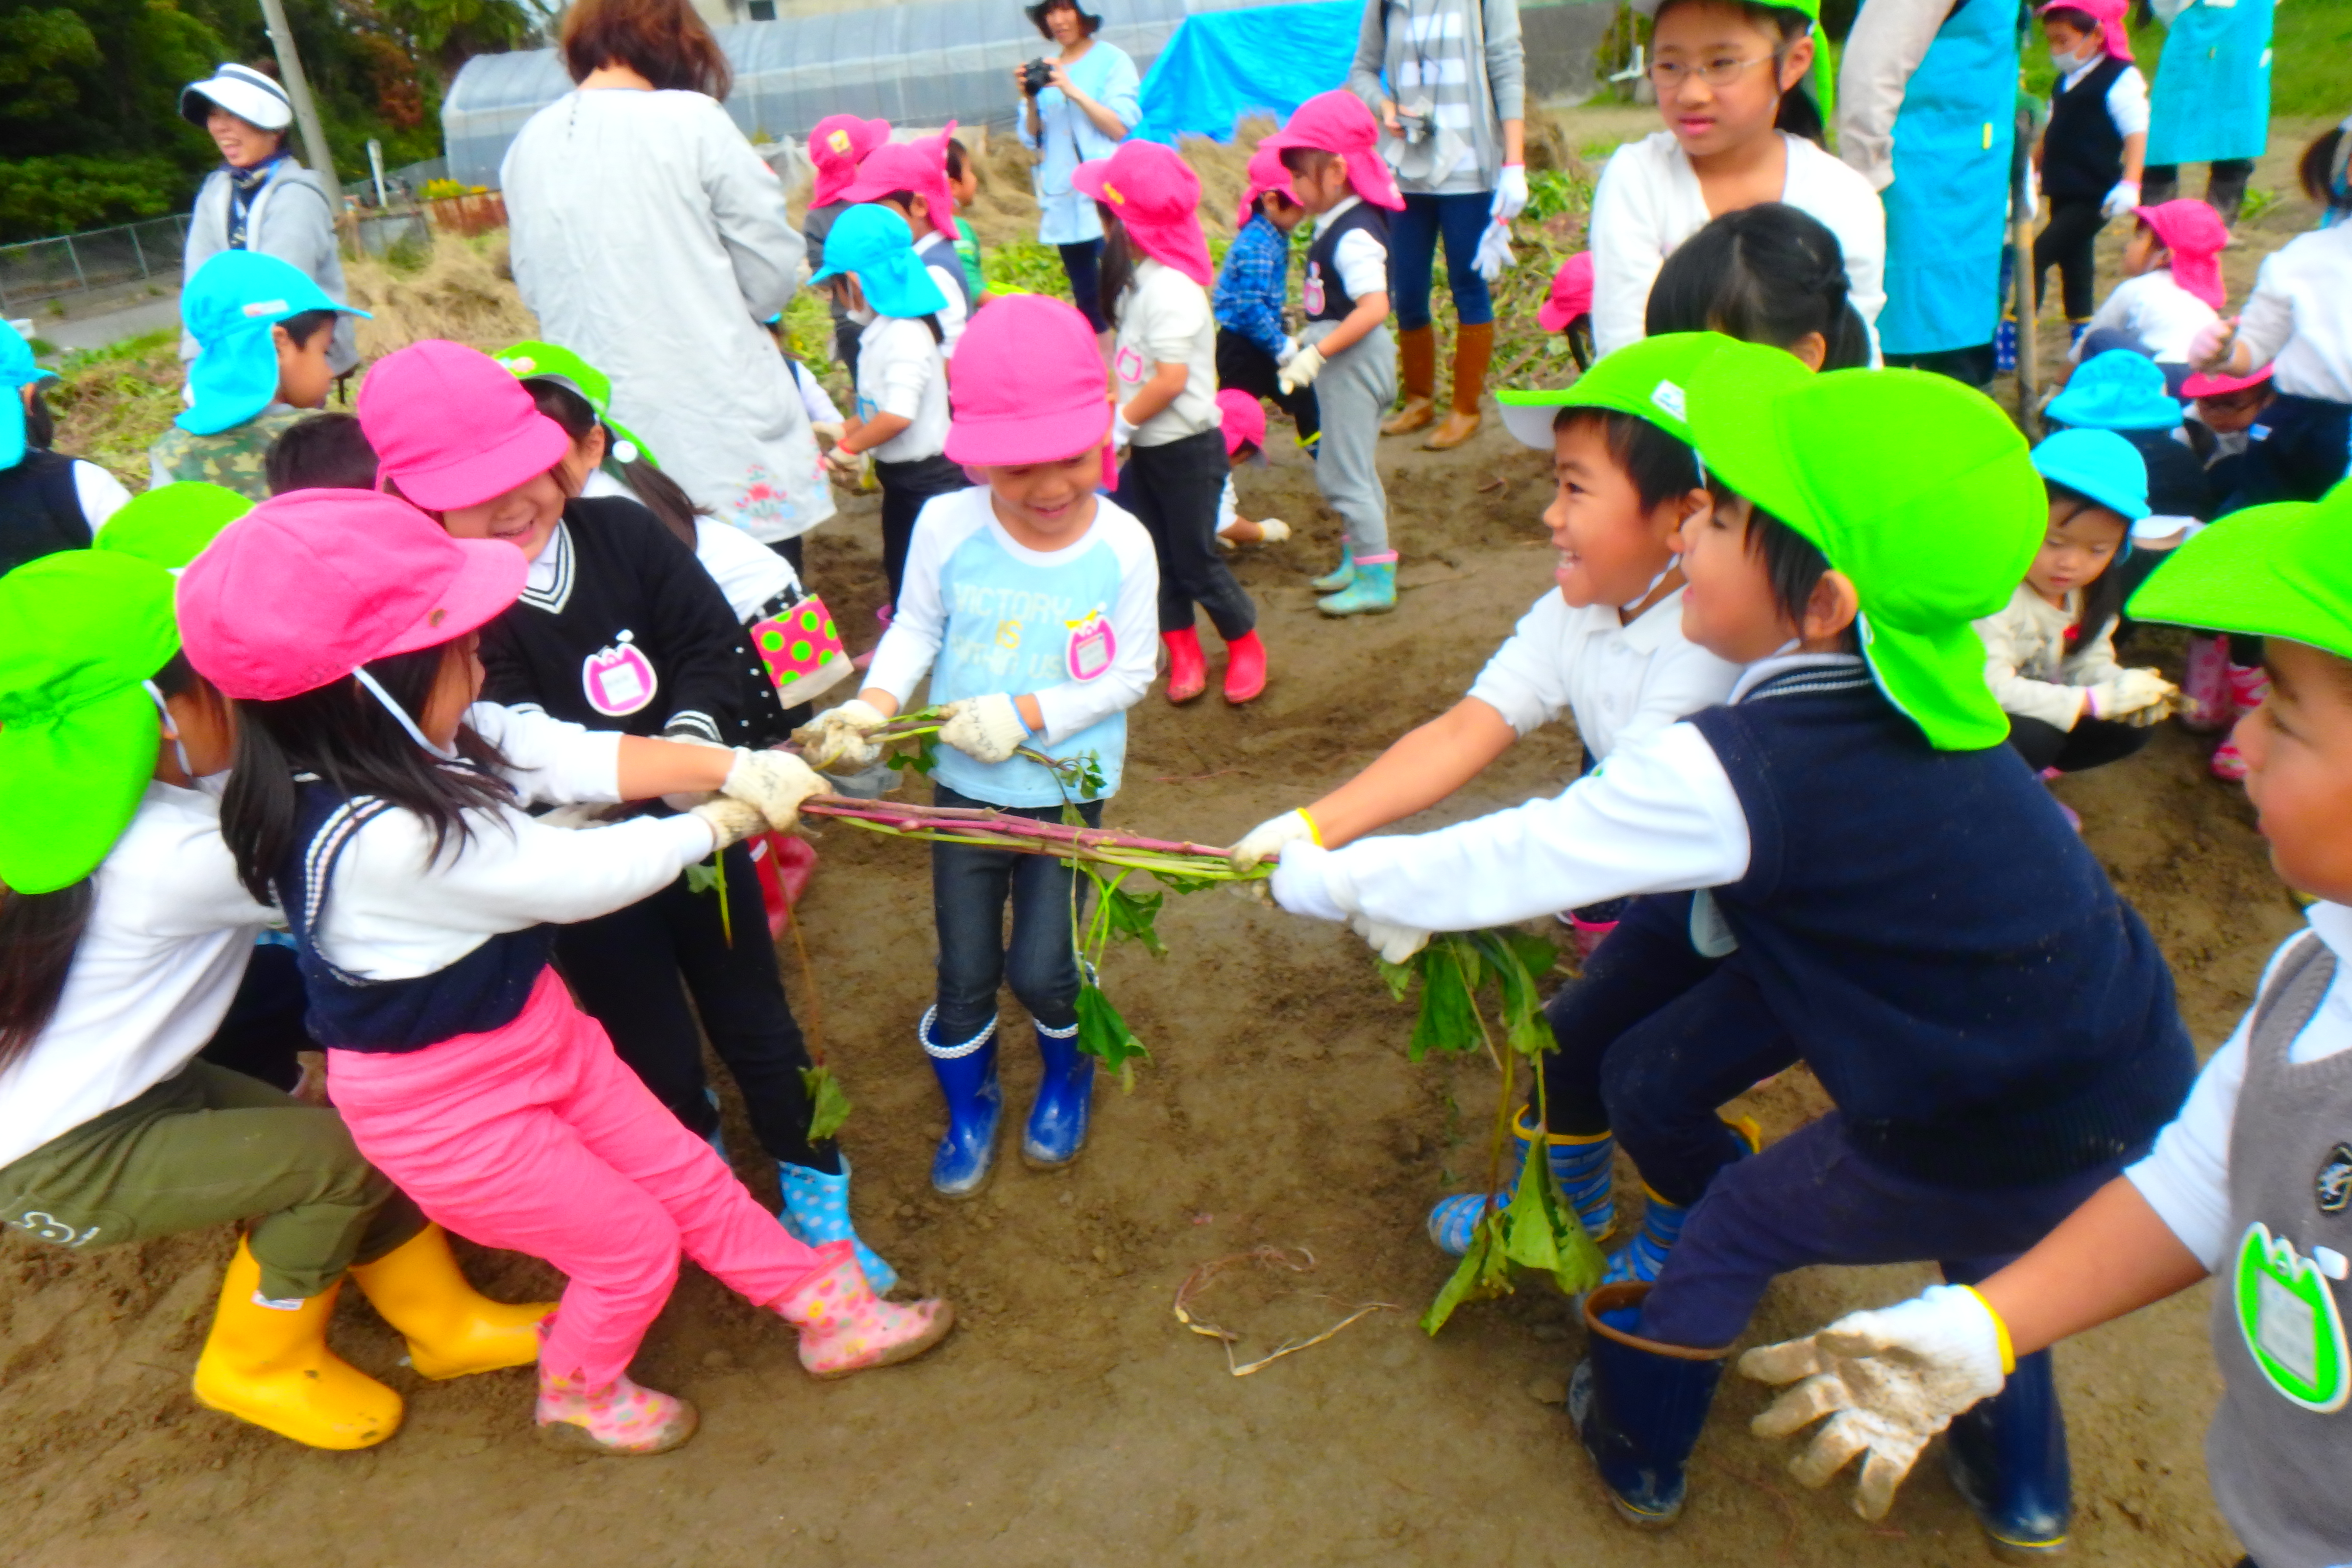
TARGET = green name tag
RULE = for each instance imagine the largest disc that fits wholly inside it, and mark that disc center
(2289, 1318)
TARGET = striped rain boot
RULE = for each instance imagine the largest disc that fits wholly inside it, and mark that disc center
(1640, 1260)
(1581, 1165)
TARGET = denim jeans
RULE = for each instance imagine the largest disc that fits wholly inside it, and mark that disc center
(969, 888)
(1082, 265)
(1412, 249)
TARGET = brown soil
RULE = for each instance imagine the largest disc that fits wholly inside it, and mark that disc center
(1071, 1419)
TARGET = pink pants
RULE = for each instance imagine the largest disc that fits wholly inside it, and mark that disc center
(535, 1138)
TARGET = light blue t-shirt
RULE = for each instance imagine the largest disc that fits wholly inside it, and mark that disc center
(1066, 216)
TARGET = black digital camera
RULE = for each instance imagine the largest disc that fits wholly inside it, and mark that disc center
(1036, 77)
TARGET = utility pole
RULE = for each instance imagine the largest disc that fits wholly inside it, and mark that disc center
(306, 113)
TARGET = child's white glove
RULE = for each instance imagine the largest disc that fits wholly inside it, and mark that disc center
(1272, 530)
(1300, 369)
(774, 782)
(2135, 696)
(1122, 433)
(1493, 251)
(826, 430)
(732, 821)
(2212, 343)
(1289, 348)
(834, 741)
(1510, 194)
(2121, 200)
(1394, 942)
(1888, 1380)
(1266, 839)
(986, 729)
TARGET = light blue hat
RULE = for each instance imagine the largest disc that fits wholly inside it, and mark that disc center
(874, 242)
(16, 369)
(2118, 390)
(2100, 465)
(229, 307)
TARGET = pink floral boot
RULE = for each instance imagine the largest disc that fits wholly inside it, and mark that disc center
(845, 1328)
(619, 1418)
(2248, 685)
(2205, 686)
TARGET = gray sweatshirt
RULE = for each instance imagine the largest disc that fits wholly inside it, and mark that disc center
(290, 219)
(1462, 59)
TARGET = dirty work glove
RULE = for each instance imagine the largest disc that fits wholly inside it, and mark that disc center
(732, 821)
(829, 431)
(774, 782)
(986, 729)
(834, 741)
(2137, 697)
(1266, 839)
(1273, 530)
(1888, 1380)
(1510, 194)
(2121, 200)
(1300, 369)
(1493, 251)
(1394, 942)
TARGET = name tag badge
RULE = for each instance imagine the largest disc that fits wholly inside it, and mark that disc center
(619, 679)
(2288, 1315)
(1092, 647)
(1314, 296)
(1129, 364)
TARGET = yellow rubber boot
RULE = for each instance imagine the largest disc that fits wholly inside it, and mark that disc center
(273, 1368)
(452, 1328)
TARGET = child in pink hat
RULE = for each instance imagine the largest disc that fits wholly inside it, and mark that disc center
(1030, 600)
(1346, 353)
(834, 146)
(1253, 291)
(378, 804)
(1155, 276)
(911, 179)
(1243, 426)
(1569, 302)
(2171, 289)
(618, 628)
(2092, 154)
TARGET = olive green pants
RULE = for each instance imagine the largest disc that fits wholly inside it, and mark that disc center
(209, 1147)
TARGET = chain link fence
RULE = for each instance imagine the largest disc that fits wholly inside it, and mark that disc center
(101, 258)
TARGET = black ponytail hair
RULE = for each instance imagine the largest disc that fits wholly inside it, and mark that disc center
(40, 425)
(1799, 114)
(342, 734)
(41, 932)
(1118, 263)
(662, 496)
(1765, 274)
(2102, 596)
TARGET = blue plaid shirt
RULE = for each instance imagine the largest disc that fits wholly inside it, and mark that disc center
(1254, 284)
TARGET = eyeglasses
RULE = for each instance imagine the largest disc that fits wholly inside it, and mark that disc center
(1669, 74)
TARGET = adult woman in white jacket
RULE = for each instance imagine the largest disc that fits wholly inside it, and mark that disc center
(652, 241)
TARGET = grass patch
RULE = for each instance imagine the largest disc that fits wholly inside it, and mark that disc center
(111, 404)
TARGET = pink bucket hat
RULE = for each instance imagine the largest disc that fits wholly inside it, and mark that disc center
(920, 166)
(2195, 235)
(310, 585)
(1338, 122)
(451, 429)
(2108, 14)
(1037, 395)
(1158, 199)
(1244, 418)
(1264, 173)
(834, 146)
(2206, 384)
(1571, 294)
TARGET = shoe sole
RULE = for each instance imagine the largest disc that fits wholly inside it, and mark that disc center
(565, 1437)
(1036, 1163)
(971, 1192)
(942, 1326)
(1178, 699)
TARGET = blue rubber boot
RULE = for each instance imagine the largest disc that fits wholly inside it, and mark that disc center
(2007, 1456)
(1638, 1405)
(1372, 592)
(816, 1210)
(1339, 576)
(1581, 1165)
(966, 1073)
(1057, 1122)
(1640, 1260)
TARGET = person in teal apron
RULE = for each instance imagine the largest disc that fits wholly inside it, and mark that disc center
(2211, 101)
(1927, 97)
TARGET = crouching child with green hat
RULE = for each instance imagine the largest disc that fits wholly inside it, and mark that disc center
(1842, 864)
(128, 936)
(2250, 1184)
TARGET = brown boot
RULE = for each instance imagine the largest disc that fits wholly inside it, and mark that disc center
(1417, 349)
(1472, 347)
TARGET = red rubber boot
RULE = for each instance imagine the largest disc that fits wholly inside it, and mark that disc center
(1188, 668)
(1244, 668)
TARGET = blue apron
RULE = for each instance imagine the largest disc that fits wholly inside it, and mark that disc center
(2212, 93)
(1948, 208)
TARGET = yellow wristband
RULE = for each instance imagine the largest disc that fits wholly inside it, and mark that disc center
(1314, 832)
(2007, 1350)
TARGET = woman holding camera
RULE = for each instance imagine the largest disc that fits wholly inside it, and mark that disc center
(1074, 108)
(1451, 125)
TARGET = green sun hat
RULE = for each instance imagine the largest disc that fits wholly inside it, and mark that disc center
(80, 631)
(2279, 571)
(171, 524)
(1917, 488)
(1648, 379)
(531, 358)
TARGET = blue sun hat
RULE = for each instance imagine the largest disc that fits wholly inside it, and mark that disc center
(874, 242)
(2118, 390)
(228, 308)
(17, 370)
(2100, 466)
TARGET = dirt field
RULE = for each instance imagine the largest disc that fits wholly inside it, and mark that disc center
(1072, 1420)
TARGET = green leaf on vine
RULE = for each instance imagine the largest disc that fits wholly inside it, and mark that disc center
(703, 878)
(1133, 918)
(1103, 1034)
(1484, 1273)
(828, 1106)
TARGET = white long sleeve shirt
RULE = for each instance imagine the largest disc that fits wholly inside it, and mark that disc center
(2158, 313)
(1618, 682)
(2186, 1178)
(1888, 41)
(2031, 670)
(1649, 202)
(2298, 321)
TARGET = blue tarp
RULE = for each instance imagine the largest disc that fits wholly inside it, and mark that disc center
(1223, 65)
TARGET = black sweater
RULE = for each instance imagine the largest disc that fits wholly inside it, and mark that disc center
(633, 635)
(40, 510)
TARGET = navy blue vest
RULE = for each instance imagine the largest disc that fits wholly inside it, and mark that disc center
(484, 990)
(2082, 152)
(1322, 260)
(1958, 972)
(40, 510)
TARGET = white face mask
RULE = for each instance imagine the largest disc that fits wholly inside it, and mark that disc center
(862, 316)
(2067, 63)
